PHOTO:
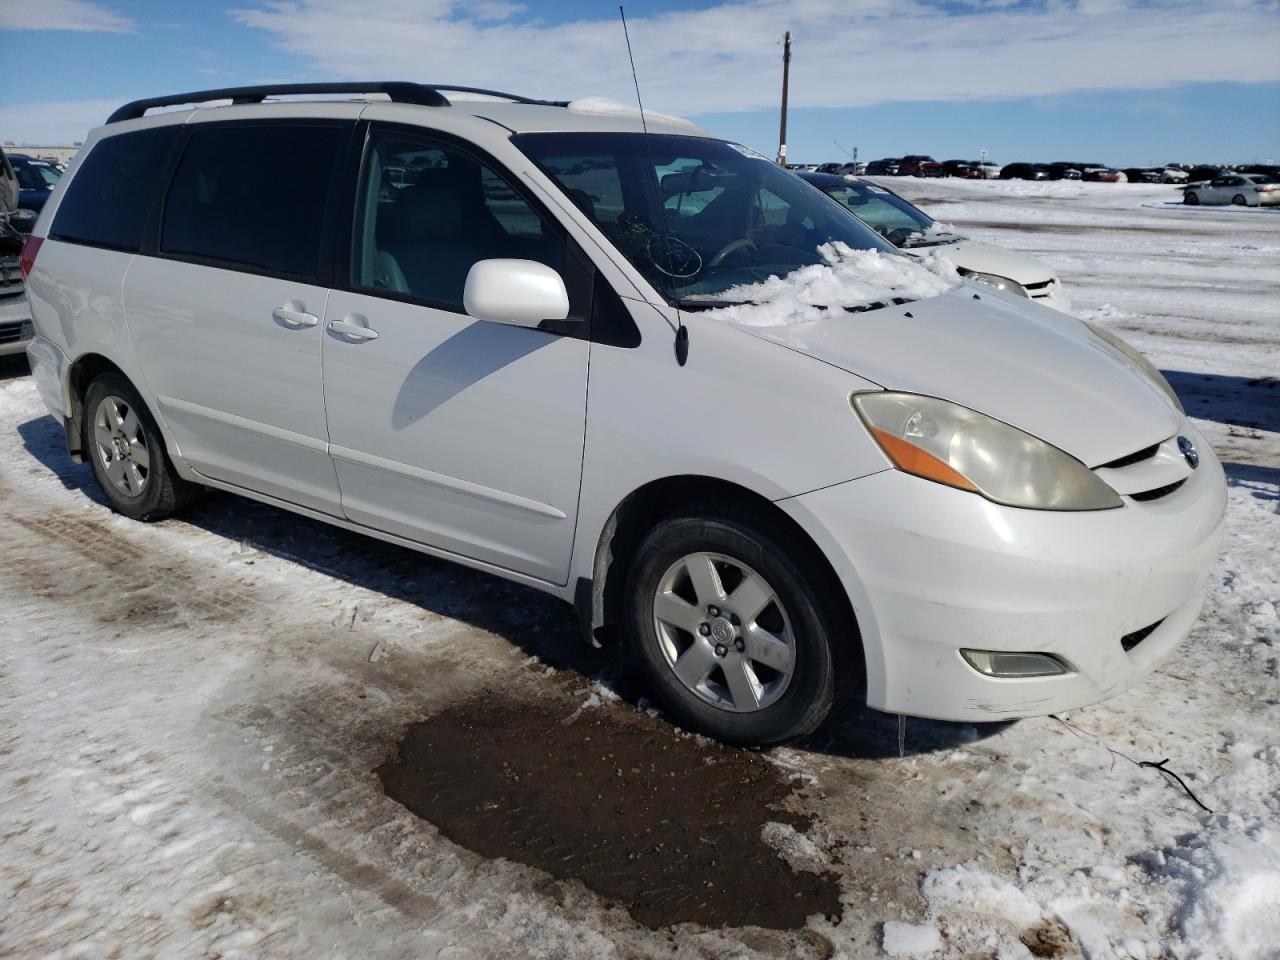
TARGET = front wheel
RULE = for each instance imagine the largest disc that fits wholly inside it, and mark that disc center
(1190, 199)
(735, 623)
(1239, 200)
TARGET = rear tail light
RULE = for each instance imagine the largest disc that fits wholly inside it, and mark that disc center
(27, 261)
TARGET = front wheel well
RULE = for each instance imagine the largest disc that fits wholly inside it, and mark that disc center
(642, 510)
(83, 372)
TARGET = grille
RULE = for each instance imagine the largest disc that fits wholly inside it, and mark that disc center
(1158, 492)
(13, 332)
(1131, 640)
(1038, 290)
(1146, 453)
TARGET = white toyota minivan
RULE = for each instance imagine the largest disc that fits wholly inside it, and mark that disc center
(637, 368)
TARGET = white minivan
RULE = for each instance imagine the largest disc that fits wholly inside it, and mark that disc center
(645, 370)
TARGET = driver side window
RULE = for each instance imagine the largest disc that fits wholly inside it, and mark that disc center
(427, 212)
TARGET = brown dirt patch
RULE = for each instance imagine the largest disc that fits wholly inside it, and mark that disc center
(665, 824)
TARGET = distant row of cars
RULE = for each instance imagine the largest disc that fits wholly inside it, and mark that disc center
(1205, 178)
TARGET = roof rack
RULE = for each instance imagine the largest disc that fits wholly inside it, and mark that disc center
(422, 94)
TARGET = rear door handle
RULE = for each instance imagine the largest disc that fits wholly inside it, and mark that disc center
(350, 330)
(293, 316)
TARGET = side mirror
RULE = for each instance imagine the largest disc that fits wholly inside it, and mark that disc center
(522, 293)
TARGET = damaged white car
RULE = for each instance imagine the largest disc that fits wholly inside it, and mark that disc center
(649, 372)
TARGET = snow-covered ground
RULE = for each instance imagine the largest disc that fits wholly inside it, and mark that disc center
(191, 712)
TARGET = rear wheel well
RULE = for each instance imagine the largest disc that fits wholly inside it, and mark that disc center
(84, 371)
(642, 510)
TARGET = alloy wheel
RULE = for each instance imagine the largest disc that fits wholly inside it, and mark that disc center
(120, 443)
(724, 632)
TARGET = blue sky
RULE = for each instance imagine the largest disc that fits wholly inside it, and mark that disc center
(1115, 81)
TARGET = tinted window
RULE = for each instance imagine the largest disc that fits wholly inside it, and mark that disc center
(107, 201)
(253, 196)
(428, 212)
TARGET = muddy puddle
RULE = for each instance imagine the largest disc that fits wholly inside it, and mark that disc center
(662, 823)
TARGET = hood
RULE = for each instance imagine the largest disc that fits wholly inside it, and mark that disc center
(1032, 367)
(979, 257)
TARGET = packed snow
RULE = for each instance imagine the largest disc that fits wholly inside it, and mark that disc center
(191, 711)
(849, 279)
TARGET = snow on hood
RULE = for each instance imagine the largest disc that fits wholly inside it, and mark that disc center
(996, 353)
(854, 279)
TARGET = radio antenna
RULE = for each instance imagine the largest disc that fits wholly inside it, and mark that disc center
(682, 332)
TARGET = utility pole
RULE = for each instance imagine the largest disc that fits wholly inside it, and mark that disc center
(786, 71)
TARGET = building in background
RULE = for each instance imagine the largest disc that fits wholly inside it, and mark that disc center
(53, 154)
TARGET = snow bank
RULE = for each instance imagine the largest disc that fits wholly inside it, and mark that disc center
(909, 940)
(848, 278)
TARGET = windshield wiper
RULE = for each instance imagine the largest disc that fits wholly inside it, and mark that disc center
(699, 303)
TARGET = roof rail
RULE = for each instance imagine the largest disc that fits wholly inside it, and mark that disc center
(513, 97)
(422, 94)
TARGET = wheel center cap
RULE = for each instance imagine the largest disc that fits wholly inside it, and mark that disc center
(122, 446)
(722, 631)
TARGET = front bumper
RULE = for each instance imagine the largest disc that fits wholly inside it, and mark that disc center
(931, 570)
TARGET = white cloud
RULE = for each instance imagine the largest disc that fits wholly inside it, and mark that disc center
(728, 57)
(61, 15)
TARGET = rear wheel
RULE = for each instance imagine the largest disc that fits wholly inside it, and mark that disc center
(735, 624)
(1239, 200)
(1190, 199)
(127, 454)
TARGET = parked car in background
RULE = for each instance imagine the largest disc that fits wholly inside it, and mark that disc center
(888, 167)
(802, 167)
(852, 169)
(1142, 174)
(1240, 189)
(1024, 171)
(922, 502)
(1101, 175)
(15, 315)
(1173, 175)
(831, 167)
(919, 165)
(1061, 170)
(965, 169)
(36, 180)
(910, 229)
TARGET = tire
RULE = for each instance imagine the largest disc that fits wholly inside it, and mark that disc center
(1239, 201)
(1191, 199)
(803, 611)
(127, 453)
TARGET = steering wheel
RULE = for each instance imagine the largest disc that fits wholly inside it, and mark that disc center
(674, 257)
(728, 248)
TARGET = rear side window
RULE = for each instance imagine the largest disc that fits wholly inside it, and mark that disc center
(107, 201)
(253, 197)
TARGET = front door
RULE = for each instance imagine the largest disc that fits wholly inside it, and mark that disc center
(461, 434)
(225, 314)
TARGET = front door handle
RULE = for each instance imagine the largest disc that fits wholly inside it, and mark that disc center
(293, 316)
(347, 328)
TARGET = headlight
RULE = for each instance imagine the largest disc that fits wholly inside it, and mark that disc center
(950, 444)
(1000, 283)
(1144, 366)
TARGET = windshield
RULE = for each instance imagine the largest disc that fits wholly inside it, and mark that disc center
(731, 216)
(888, 214)
(36, 176)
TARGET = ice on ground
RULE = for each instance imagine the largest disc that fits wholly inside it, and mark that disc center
(909, 940)
(847, 279)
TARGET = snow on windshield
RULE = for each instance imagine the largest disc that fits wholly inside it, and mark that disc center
(847, 278)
